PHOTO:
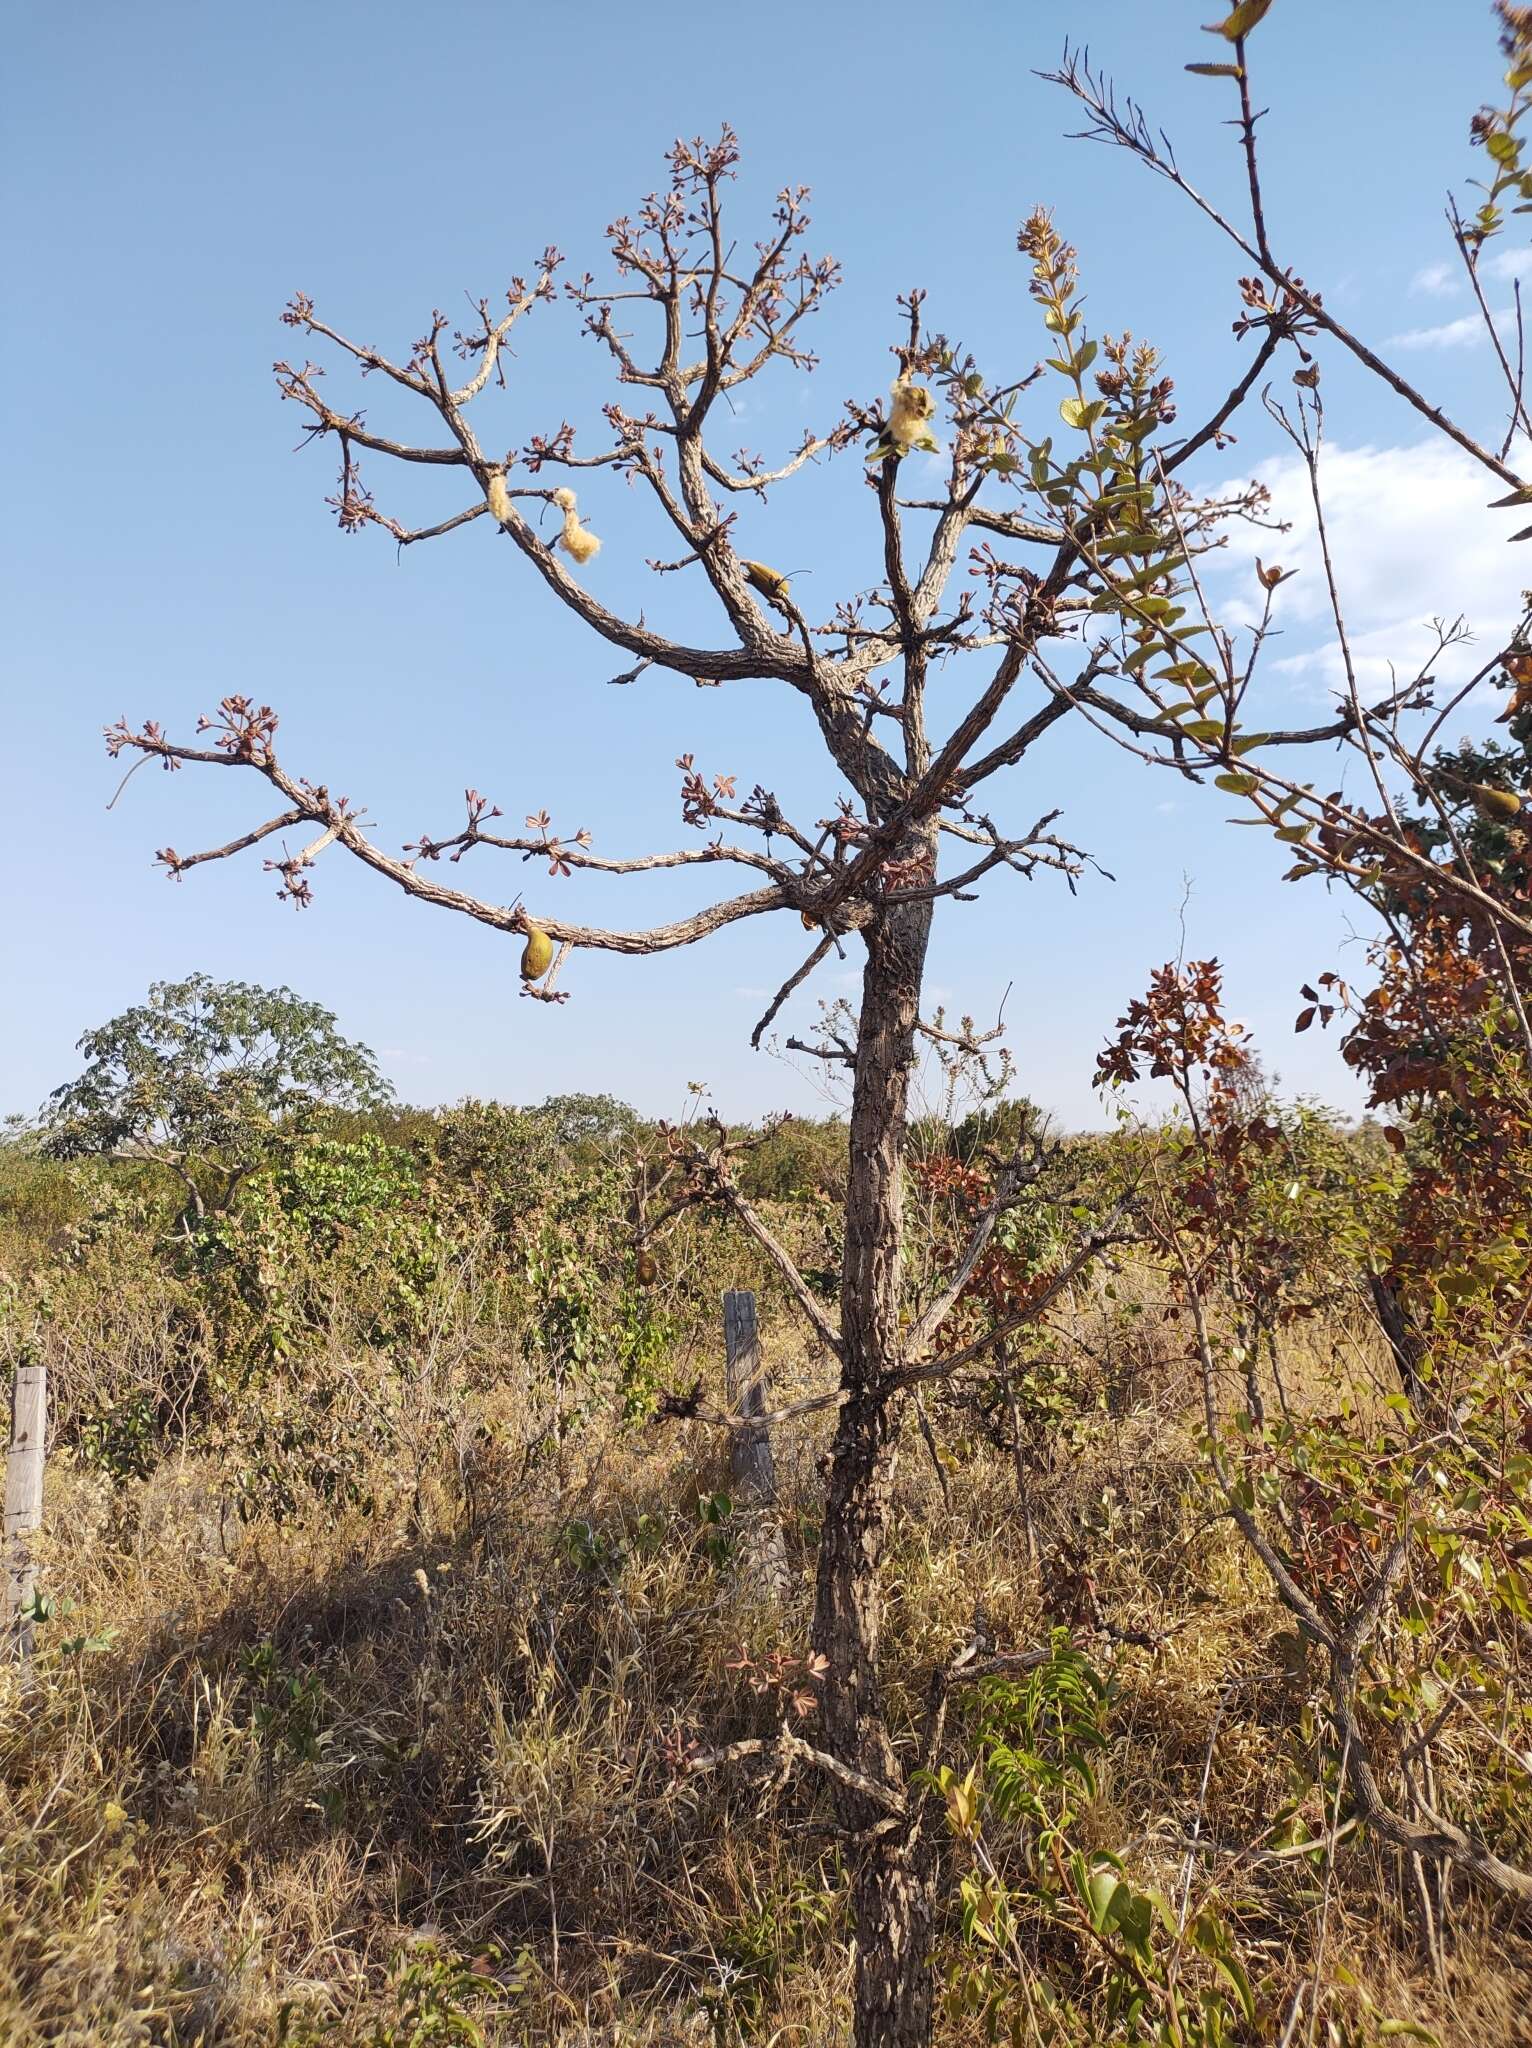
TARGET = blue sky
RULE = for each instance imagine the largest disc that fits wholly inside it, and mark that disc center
(175, 172)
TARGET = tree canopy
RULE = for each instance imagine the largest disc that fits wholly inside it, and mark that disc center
(208, 1071)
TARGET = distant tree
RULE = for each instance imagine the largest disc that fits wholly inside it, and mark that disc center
(1001, 1127)
(589, 1122)
(202, 1079)
(798, 1156)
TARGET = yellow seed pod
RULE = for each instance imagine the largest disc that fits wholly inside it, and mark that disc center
(536, 954)
(1498, 805)
(771, 583)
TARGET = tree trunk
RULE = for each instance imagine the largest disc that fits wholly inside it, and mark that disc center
(891, 1890)
(892, 1912)
(1404, 1340)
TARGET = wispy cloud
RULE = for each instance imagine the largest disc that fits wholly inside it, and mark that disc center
(1506, 264)
(1437, 281)
(1411, 541)
(1447, 281)
(1466, 332)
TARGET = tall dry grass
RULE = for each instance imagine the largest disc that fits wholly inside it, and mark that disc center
(356, 1777)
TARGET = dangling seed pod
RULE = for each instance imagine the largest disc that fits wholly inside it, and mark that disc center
(536, 954)
(1499, 806)
(575, 539)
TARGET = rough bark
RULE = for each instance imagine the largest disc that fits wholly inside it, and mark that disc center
(892, 1911)
(1404, 1340)
(891, 1889)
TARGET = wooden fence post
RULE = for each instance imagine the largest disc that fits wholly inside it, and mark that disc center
(752, 1468)
(24, 1497)
(751, 1465)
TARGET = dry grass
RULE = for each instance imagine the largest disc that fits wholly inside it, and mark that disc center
(313, 1756)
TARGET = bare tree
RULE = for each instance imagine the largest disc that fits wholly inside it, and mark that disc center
(1095, 620)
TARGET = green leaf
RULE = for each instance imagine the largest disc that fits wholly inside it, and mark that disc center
(1134, 431)
(1077, 412)
(1215, 70)
(1230, 1966)
(1236, 785)
(1163, 565)
(1204, 729)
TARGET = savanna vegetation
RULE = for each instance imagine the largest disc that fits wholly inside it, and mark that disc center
(394, 1627)
(1146, 1661)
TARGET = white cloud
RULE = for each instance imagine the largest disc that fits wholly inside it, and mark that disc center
(1467, 332)
(1437, 281)
(1447, 281)
(1410, 539)
(1506, 264)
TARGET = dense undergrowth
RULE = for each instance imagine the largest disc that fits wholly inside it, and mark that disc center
(383, 1628)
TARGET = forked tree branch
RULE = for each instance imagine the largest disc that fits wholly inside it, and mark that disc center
(1126, 128)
